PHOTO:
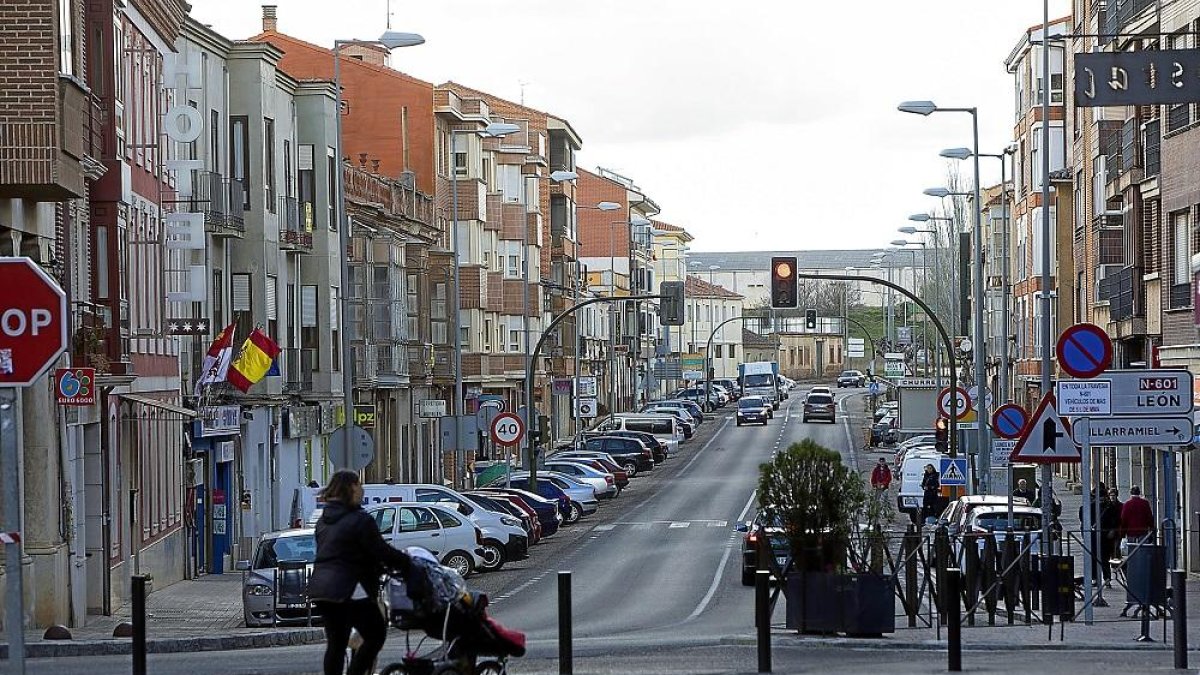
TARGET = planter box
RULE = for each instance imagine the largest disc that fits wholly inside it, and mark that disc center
(854, 604)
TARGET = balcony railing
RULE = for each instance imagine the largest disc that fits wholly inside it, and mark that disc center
(220, 200)
(298, 365)
(395, 197)
(295, 231)
(1152, 145)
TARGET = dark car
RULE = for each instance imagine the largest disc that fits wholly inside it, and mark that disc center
(495, 504)
(852, 378)
(819, 406)
(657, 449)
(630, 453)
(571, 510)
(752, 409)
(780, 547)
(547, 510)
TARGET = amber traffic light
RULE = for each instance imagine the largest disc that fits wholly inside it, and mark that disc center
(783, 282)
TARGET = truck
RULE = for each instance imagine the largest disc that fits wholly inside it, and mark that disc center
(760, 378)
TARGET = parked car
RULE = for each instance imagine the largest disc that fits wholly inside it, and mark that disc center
(573, 507)
(631, 453)
(664, 427)
(709, 402)
(883, 432)
(819, 406)
(753, 409)
(885, 408)
(909, 495)
(732, 385)
(780, 547)
(957, 516)
(691, 407)
(685, 418)
(548, 515)
(494, 504)
(852, 378)
(993, 521)
(658, 450)
(604, 483)
(601, 464)
(449, 536)
(258, 583)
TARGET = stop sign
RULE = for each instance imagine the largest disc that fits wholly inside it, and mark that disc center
(33, 322)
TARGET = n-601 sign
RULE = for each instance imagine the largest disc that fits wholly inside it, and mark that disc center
(507, 429)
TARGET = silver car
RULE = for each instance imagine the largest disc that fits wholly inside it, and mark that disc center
(258, 584)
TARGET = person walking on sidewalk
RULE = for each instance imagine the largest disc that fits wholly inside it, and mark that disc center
(1137, 518)
(351, 557)
(931, 487)
(1023, 491)
(881, 477)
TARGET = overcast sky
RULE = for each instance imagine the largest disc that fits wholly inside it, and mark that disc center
(756, 126)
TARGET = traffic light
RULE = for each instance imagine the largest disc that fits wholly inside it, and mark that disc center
(810, 319)
(670, 304)
(783, 282)
(941, 435)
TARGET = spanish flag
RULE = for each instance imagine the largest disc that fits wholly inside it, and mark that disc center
(252, 364)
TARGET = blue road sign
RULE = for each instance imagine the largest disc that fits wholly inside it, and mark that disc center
(1009, 420)
(1084, 350)
(873, 388)
(953, 471)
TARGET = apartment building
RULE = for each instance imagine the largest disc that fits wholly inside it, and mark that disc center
(1026, 241)
(809, 356)
(713, 312)
(670, 251)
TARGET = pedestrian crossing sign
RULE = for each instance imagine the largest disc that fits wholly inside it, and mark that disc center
(953, 471)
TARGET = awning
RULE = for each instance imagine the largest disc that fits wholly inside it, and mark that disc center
(162, 405)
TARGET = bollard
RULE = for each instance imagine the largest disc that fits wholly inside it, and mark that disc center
(953, 622)
(912, 542)
(565, 665)
(762, 618)
(139, 624)
(1179, 616)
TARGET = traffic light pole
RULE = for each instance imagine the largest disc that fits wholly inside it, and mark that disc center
(531, 411)
(949, 347)
(708, 368)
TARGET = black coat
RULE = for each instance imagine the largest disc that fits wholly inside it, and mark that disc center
(350, 551)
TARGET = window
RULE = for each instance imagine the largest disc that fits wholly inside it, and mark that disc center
(514, 266)
(717, 352)
(514, 340)
(331, 187)
(307, 185)
(1181, 237)
(269, 162)
(287, 168)
(335, 359)
(66, 37)
(417, 520)
(460, 164)
(272, 308)
(218, 296)
(214, 140)
(732, 353)
(385, 520)
(239, 155)
(243, 303)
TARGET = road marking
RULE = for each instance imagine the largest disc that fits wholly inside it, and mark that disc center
(746, 508)
(712, 589)
(849, 436)
(718, 523)
(641, 526)
(676, 526)
(603, 528)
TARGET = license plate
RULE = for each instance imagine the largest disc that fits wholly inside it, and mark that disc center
(781, 560)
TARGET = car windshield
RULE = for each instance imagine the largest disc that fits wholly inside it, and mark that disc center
(849, 373)
(1022, 522)
(819, 399)
(299, 547)
(750, 403)
(760, 380)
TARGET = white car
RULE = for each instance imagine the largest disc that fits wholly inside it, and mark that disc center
(602, 483)
(450, 537)
(820, 390)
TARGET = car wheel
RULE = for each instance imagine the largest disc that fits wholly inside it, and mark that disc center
(833, 420)
(460, 562)
(493, 555)
(804, 419)
(747, 577)
(574, 513)
(739, 423)
(631, 469)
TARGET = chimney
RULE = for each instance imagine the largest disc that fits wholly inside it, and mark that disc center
(269, 18)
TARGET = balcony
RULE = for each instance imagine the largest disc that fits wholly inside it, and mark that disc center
(392, 196)
(1122, 290)
(295, 229)
(298, 366)
(221, 202)
(42, 152)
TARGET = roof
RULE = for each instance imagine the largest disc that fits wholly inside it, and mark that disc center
(752, 339)
(451, 84)
(699, 288)
(272, 36)
(832, 260)
(674, 229)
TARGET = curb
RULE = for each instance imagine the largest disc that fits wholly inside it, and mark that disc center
(883, 644)
(200, 643)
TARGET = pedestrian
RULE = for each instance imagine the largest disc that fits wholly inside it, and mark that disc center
(931, 486)
(351, 557)
(1110, 532)
(1023, 491)
(1137, 518)
(881, 476)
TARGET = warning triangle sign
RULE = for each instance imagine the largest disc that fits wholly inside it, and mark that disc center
(1047, 437)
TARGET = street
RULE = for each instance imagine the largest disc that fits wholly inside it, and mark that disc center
(656, 569)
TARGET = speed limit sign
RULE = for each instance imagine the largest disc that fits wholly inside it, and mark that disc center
(507, 429)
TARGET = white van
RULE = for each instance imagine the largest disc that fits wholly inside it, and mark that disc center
(665, 428)
(910, 495)
(504, 538)
(451, 538)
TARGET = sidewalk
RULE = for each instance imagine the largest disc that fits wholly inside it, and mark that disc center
(202, 614)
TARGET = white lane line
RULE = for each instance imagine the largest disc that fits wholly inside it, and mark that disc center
(640, 526)
(746, 508)
(712, 589)
(679, 525)
(849, 436)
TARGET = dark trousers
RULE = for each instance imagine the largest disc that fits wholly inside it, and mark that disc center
(361, 615)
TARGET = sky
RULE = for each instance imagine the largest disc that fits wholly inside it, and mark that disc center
(769, 125)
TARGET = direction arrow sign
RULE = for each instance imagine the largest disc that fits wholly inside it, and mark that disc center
(953, 471)
(1141, 431)
(1047, 438)
(1150, 392)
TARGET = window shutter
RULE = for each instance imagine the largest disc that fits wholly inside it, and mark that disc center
(241, 292)
(272, 310)
(308, 306)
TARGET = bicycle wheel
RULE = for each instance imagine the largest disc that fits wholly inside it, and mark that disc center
(491, 668)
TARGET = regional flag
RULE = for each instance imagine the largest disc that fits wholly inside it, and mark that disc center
(216, 362)
(255, 360)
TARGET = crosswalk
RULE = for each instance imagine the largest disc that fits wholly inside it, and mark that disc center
(669, 524)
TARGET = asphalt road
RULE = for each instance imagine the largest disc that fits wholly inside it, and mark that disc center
(658, 567)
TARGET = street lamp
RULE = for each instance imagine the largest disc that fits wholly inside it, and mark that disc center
(492, 130)
(927, 108)
(390, 40)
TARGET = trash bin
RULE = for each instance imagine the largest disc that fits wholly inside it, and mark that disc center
(1146, 576)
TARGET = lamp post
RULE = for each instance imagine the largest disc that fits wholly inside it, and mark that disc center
(909, 229)
(903, 243)
(493, 130)
(390, 40)
(984, 451)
